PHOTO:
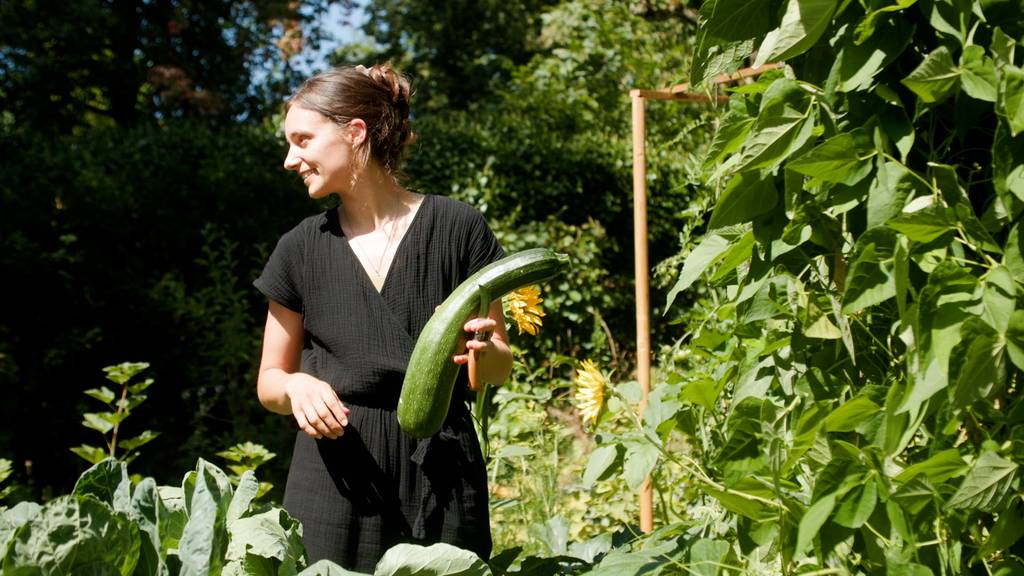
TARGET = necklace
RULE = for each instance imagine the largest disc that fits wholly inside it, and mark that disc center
(377, 277)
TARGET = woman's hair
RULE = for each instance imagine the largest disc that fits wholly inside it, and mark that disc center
(378, 95)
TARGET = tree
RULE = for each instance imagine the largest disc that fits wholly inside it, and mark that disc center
(70, 64)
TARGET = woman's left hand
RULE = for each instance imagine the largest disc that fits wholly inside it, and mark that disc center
(487, 354)
(478, 338)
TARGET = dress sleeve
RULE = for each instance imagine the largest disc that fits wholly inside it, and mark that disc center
(483, 246)
(281, 279)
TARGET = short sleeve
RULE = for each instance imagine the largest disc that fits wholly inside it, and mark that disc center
(281, 279)
(484, 247)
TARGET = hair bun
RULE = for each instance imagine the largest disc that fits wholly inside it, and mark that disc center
(396, 84)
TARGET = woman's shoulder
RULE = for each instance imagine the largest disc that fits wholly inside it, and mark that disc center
(313, 225)
(451, 209)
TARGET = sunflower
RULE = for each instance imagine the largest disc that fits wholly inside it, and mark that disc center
(590, 384)
(524, 303)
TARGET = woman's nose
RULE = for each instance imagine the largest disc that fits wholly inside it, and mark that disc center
(291, 161)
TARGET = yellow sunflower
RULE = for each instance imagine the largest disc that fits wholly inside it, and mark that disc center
(524, 304)
(590, 385)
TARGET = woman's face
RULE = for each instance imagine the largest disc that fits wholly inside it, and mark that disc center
(319, 150)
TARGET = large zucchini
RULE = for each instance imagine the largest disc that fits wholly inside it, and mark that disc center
(430, 377)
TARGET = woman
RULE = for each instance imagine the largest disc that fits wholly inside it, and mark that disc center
(349, 291)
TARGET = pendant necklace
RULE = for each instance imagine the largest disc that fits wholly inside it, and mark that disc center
(376, 277)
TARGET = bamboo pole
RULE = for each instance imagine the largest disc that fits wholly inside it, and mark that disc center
(643, 304)
(679, 93)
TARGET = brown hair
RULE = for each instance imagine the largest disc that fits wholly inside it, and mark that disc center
(378, 95)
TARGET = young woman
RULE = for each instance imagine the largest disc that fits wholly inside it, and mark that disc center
(349, 291)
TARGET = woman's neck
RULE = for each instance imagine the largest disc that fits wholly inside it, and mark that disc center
(375, 201)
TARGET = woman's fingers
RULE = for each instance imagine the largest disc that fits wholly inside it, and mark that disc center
(317, 409)
(479, 338)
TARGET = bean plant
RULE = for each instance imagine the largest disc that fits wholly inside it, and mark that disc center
(120, 406)
(849, 391)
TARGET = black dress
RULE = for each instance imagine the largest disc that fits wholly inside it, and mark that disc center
(375, 486)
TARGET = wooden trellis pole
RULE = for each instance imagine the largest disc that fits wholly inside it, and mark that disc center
(679, 93)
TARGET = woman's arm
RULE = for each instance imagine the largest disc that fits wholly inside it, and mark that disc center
(489, 362)
(282, 389)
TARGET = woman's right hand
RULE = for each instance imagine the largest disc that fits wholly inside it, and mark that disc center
(316, 407)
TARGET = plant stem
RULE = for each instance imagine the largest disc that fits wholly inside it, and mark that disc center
(120, 408)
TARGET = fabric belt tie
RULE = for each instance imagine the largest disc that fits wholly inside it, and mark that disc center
(430, 499)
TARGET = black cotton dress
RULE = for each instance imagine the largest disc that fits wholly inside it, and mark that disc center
(375, 486)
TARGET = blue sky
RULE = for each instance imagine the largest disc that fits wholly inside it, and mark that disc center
(341, 32)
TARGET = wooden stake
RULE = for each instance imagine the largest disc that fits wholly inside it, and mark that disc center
(643, 304)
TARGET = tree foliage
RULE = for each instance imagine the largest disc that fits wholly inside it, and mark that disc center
(71, 64)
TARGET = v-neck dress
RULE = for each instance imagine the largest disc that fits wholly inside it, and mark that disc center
(375, 486)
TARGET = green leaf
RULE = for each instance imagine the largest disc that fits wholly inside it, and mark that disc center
(270, 534)
(1015, 338)
(12, 519)
(1000, 297)
(704, 392)
(707, 556)
(903, 568)
(979, 74)
(737, 254)
(946, 301)
(977, 363)
(936, 78)
(850, 414)
(857, 505)
(1009, 528)
(709, 251)
(1007, 165)
(246, 491)
(837, 160)
(866, 28)
(140, 386)
(939, 468)
(125, 371)
(435, 560)
(1011, 98)
(924, 219)
(204, 540)
(987, 485)
(784, 124)
(896, 126)
(103, 394)
(859, 62)
(248, 453)
(732, 501)
(662, 405)
(733, 128)
(146, 511)
(743, 428)
(734, 19)
(950, 17)
(870, 279)
(812, 521)
(328, 568)
(745, 197)
(889, 192)
(600, 463)
(130, 444)
(641, 457)
(802, 25)
(91, 454)
(74, 535)
(108, 482)
(102, 422)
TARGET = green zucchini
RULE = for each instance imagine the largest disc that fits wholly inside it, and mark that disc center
(430, 376)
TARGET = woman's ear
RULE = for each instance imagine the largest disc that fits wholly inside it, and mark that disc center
(357, 131)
